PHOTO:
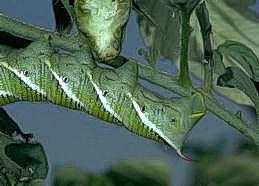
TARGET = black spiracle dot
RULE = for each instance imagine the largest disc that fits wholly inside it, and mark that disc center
(143, 109)
(26, 73)
(173, 120)
(105, 92)
(65, 79)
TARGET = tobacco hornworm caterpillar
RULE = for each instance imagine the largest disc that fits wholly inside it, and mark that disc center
(103, 23)
(114, 95)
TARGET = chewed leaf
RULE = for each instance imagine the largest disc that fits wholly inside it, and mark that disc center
(234, 77)
(19, 162)
(243, 56)
(30, 157)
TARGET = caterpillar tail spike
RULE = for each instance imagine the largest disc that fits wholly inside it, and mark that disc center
(185, 157)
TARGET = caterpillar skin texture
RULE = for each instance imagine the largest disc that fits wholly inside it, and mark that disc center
(114, 95)
(112, 88)
(31, 66)
(12, 88)
(103, 23)
(145, 113)
(75, 82)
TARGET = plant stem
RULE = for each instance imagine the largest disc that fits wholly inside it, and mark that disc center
(184, 78)
(33, 33)
(242, 126)
(161, 79)
(206, 31)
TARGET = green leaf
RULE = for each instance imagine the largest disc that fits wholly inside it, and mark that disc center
(29, 157)
(142, 11)
(20, 163)
(242, 56)
(167, 41)
(230, 19)
(70, 176)
(10, 128)
(184, 5)
(129, 172)
(140, 172)
(217, 58)
(234, 77)
(64, 15)
(219, 169)
(12, 41)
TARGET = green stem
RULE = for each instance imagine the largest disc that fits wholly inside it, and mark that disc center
(242, 126)
(202, 14)
(184, 78)
(162, 79)
(33, 33)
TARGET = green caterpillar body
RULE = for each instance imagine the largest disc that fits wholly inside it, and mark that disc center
(171, 119)
(77, 85)
(32, 68)
(113, 87)
(145, 113)
(114, 95)
(103, 23)
(12, 88)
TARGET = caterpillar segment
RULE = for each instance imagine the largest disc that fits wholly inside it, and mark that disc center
(103, 23)
(32, 68)
(12, 88)
(171, 119)
(74, 78)
(113, 87)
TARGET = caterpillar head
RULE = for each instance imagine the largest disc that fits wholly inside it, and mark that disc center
(28, 64)
(171, 119)
(103, 23)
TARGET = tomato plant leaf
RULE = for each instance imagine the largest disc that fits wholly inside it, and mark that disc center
(242, 56)
(234, 77)
(20, 162)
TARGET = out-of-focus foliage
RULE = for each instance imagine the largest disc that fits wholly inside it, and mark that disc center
(130, 172)
(21, 161)
(230, 19)
(217, 169)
